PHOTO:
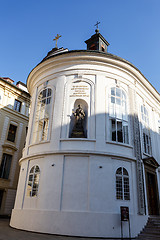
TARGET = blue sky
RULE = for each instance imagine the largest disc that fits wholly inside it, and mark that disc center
(27, 29)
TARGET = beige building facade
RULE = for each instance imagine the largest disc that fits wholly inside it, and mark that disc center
(14, 112)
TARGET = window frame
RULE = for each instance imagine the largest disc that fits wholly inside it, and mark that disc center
(113, 116)
(17, 105)
(4, 173)
(9, 134)
(38, 104)
(145, 134)
(124, 195)
(31, 190)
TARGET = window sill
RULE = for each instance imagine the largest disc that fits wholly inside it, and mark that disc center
(10, 146)
(147, 155)
(77, 139)
(5, 179)
(119, 144)
(123, 200)
(37, 143)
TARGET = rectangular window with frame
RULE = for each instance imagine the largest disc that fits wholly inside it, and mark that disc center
(12, 133)
(5, 166)
(146, 142)
(17, 105)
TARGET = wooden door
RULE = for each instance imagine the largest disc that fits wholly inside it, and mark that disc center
(152, 194)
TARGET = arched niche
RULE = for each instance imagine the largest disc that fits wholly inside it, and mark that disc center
(78, 91)
(74, 131)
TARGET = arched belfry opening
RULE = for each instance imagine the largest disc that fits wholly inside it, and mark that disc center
(79, 119)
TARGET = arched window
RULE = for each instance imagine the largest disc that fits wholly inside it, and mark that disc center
(118, 116)
(42, 116)
(145, 130)
(33, 181)
(122, 184)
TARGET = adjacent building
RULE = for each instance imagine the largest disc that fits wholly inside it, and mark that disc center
(14, 113)
(92, 147)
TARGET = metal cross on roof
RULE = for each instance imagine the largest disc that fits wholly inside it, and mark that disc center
(56, 38)
(97, 24)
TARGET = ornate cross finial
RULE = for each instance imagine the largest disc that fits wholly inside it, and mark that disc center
(56, 38)
(97, 24)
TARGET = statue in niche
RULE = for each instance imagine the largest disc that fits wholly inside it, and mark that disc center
(78, 129)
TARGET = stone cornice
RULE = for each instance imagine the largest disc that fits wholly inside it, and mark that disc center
(56, 63)
(71, 152)
(13, 112)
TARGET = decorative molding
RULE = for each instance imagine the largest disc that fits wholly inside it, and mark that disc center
(9, 146)
(137, 144)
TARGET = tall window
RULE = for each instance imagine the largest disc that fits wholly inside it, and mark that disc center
(118, 116)
(17, 105)
(122, 184)
(12, 133)
(5, 166)
(33, 181)
(145, 130)
(42, 116)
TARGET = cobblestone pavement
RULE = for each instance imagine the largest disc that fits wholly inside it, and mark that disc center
(8, 233)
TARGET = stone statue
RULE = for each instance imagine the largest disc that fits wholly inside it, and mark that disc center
(78, 129)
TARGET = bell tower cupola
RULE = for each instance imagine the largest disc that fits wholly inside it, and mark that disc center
(97, 41)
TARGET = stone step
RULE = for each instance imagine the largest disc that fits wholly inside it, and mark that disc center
(148, 236)
(151, 231)
(155, 231)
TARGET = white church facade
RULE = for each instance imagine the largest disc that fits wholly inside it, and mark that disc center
(92, 146)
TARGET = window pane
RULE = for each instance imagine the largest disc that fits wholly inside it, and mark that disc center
(112, 99)
(113, 91)
(125, 132)
(12, 133)
(30, 177)
(119, 171)
(32, 170)
(37, 169)
(118, 92)
(119, 131)
(126, 189)
(113, 130)
(144, 142)
(119, 194)
(5, 166)
(118, 101)
(44, 93)
(49, 92)
(125, 172)
(45, 129)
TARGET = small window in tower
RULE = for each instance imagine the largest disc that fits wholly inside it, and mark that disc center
(102, 48)
(92, 47)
